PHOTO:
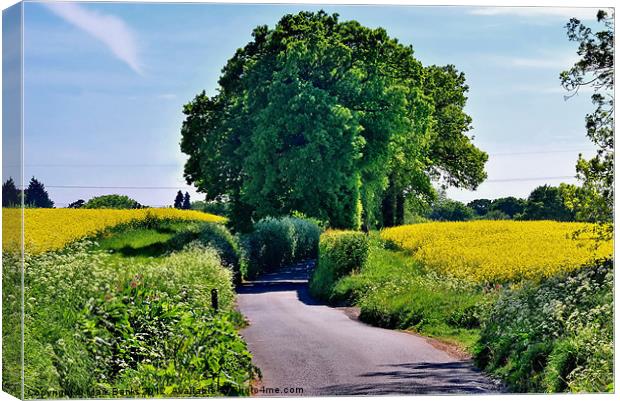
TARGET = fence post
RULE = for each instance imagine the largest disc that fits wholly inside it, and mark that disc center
(214, 300)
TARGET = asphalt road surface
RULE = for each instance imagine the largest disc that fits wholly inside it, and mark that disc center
(299, 343)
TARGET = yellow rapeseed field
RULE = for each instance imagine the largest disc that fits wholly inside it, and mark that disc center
(498, 251)
(50, 229)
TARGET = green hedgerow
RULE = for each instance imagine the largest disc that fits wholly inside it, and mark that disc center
(553, 336)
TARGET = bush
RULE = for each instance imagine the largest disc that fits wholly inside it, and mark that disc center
(218, 237)
(277, 242)
(340, 253)
(112, 202)
(553, 336)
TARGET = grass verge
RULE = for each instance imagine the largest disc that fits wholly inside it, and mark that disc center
(101, 323)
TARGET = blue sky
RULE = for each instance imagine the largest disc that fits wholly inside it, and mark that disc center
(104, 86)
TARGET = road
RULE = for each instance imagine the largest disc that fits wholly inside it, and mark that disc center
(300, 343)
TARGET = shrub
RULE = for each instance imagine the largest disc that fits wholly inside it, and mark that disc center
(306, 238)
(218, 237)
(340, 253)
(112, 202)
(553, 336)
(277, 242)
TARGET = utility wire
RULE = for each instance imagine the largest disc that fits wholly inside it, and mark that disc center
(513, 179)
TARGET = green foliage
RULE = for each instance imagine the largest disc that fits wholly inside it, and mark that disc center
(276, 242)
(77, 204)
(157, 237)
(142, 324)
(510, 205)
(217, 237)
(112, 202)
(340, 253)
(594, 201)
(394, 291)
(553, 336)
(454, 156)
(495, 215)
(11, 323)
(10, 195)
(321, 116)
(480, 206)
(547, 203)
(450, 210)
(36, 195)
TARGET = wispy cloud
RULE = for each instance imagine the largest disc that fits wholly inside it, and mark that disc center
(540, 60)
(112, 31)
(561, 12)
(543, 62)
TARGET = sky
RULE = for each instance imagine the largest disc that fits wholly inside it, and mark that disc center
(105, 84)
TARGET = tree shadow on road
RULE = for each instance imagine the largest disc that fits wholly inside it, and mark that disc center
(420, 378)
(293, 279)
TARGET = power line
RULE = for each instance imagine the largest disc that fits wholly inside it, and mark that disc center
(559, 177)
(542, 152)
(512, 179)
(113, 187)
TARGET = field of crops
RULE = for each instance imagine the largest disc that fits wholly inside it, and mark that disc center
(51, 229)
(498, 251)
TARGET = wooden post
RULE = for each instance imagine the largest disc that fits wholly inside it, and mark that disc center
(214, 300)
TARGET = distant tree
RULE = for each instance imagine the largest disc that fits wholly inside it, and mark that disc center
(77, 204)
(198, 205)
(509, 205)
(178, 201)
(495, 215)
(37, 196)
(594, 201)
(450, 210)
(547, 203)
(112, 202)
(186, 202)
(10, 194)
(480, 206)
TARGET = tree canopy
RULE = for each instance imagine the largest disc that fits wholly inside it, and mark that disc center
(593, 201)
(112, 202)
(332, 119)
(547, 203)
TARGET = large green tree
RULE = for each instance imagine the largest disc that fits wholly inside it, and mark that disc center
(332, 119)
(593, 201)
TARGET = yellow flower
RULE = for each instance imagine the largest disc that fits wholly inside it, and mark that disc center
(50, 229)
(498, 251)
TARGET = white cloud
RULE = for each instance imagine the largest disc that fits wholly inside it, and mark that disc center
(166, 96)
(582, 13)
(108, 29)
(543, 62)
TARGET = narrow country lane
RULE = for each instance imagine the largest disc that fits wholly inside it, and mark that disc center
(300, 343)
